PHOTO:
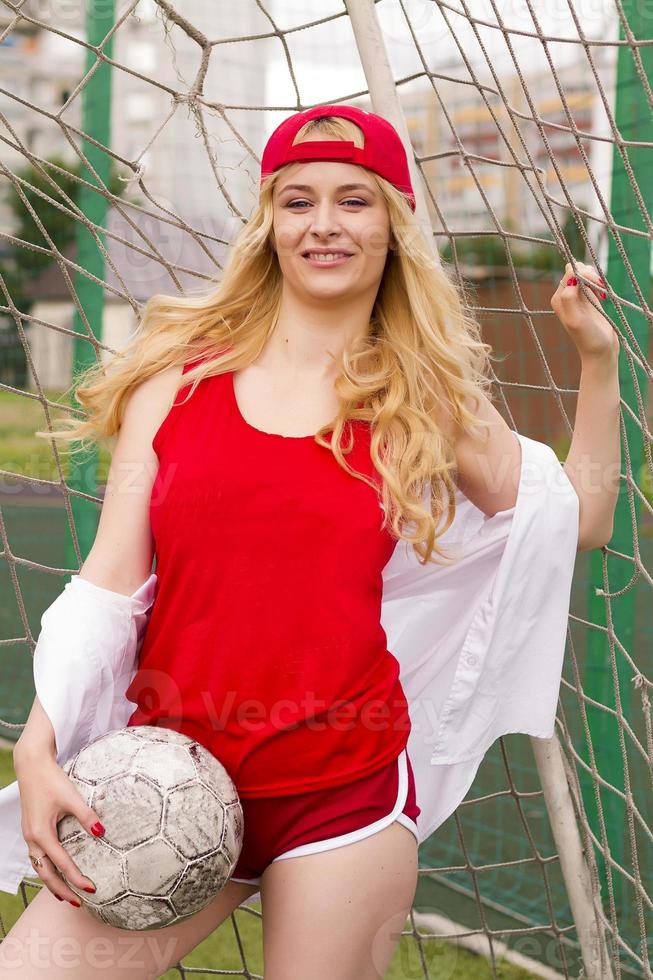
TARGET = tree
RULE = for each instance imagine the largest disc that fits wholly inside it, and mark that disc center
(23, 265)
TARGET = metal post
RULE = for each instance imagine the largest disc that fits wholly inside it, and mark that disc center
(385, 101)
(96, 125)
(573, 864)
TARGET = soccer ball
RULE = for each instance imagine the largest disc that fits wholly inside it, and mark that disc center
(173, 826)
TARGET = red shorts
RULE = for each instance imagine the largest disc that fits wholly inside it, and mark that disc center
(278, 827)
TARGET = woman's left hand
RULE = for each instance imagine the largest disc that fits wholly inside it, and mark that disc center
(591, 332)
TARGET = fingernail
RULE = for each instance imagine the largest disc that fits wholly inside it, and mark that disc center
(90, 890)
(572, 282)
(97, 829)
(76, 904)
(604, 295)
(59, 898)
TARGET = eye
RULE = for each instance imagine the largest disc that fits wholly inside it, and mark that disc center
(350, 200)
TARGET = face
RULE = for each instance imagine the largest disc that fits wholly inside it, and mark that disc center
(324, 215)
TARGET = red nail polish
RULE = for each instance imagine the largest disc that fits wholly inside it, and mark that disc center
(572, 282)
(604, 295)
(97, 829)
(90, 890)
(59, 898)
(76, 904)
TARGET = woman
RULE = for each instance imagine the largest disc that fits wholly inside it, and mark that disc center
(275, 439)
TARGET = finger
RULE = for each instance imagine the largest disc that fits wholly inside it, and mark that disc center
(47, 872)
(62, 862)
(571, 286)
(596, 281)
(86, 815)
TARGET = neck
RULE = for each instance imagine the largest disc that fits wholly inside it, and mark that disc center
(310, 334)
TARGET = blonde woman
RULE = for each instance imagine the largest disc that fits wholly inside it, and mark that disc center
(276, 439)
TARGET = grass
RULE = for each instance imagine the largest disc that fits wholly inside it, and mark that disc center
(221, 950)
(27, 454)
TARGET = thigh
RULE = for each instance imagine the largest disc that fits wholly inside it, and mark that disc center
(57, 941)
(338, 914)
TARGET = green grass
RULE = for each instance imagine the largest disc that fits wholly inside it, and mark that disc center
(26, 454)
(221, 950)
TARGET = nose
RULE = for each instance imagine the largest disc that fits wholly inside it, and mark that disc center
(324, 219)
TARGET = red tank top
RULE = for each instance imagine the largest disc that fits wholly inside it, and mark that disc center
(265, 642)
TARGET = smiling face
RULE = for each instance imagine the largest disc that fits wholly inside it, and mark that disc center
(317, 209)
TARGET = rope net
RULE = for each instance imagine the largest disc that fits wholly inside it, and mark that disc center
(532, 133)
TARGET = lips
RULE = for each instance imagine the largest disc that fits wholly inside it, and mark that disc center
(316, 251)
(326, 264)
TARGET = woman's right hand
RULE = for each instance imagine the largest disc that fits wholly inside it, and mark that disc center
(46, 795)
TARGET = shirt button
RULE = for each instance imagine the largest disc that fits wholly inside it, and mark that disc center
(472, 660)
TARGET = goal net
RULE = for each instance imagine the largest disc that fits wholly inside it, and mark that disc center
(130, 143)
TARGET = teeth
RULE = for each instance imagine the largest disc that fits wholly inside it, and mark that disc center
(329, 257)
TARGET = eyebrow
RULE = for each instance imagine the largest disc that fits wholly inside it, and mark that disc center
(342, 187)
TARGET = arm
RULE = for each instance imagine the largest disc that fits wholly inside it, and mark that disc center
(488, 467)
(37, 736)
(121, 556)
(594, 460)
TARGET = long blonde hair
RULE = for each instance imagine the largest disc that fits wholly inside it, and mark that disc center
(422, 358)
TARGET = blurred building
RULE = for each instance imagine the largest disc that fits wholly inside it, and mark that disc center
(198, 166)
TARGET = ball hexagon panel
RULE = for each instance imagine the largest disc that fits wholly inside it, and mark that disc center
(141, 913)
(102, 864)
(214, 774)
(194, 819)
(153, 868)
(157, 733)
(130, 808)
(96, 764)
(166, 765)
(233, 830)
(200, 882)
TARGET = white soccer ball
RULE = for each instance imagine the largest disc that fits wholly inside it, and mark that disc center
(173, 826)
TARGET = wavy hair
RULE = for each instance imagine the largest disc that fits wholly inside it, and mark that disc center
(423, 358)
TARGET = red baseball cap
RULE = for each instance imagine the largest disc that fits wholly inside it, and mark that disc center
(383, 152)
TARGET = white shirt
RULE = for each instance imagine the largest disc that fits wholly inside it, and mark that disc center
(480, 645)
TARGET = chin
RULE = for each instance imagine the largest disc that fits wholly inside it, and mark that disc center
(334, 292)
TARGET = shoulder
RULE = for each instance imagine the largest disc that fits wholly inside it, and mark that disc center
(157, 390)
(488, 464)
(148, 403)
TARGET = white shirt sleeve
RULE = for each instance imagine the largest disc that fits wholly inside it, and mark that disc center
(481, 642)
(84, 660)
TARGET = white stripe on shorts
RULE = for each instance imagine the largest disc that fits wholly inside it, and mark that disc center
(362, 832)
